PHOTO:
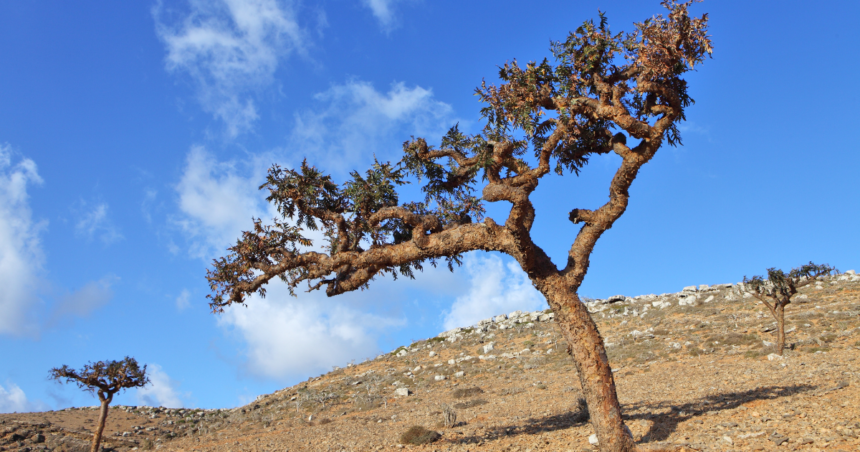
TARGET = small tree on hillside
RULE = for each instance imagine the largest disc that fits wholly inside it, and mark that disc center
(105, 378)
(776, 291)
(621, 93)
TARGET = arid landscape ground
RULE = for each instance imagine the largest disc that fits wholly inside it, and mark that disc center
(694, 369)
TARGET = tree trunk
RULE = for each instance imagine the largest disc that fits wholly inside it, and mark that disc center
(589, 356)
(780, 326)
(103, 412)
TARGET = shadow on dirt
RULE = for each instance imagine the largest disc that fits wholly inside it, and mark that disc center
(663, 423)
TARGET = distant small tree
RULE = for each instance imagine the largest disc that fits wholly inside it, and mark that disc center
(776, 291)
(104, 378)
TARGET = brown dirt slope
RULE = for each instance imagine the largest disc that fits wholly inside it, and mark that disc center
(696, 375)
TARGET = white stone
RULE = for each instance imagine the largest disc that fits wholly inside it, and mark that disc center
(515, 314)
(439, 377)
(728, 439)
(850, 272)
(500, 318)
(774, 357)
(689, 289)
(704, 287)
(432, 354)
(451, 361)
(460, 374)
(593, 439)
(488, 348)
(687, 301)
(709, 299)
(417, 369)
(402, 352)
(401, 392)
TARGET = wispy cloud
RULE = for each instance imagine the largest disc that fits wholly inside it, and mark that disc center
(230, 49)
(146, 205)
(355, 121)
(13, 400)
(383, 10)
(217, 201)
(93, 221)
(183, 301)
(21, 255)
(82, 302)
(161, 391)
(495, 289)
(289, 338)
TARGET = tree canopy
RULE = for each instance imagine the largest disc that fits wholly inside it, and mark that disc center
(106, 377)
(601, 89)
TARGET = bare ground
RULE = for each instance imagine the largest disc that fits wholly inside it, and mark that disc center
(694, 376)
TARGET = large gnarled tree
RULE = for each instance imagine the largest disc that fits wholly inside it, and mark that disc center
(105, 378)
(621, 93)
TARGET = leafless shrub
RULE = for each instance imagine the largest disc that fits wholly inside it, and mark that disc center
(580, 412)
(449, 416)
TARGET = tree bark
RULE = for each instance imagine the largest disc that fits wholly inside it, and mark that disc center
(103, 412)
(592, 365)
(780, 326)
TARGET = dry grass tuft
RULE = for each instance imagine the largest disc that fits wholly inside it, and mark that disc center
(466, 392)
(417, 435)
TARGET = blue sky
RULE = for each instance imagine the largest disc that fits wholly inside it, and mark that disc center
(134, 135)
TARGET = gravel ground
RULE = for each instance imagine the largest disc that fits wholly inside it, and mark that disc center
(697, 377)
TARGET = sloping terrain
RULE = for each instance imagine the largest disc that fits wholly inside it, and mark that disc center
(693, 368)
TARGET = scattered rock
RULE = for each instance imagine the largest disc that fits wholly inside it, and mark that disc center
(402, 392)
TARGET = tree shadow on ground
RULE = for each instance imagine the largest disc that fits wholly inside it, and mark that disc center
(665, 423)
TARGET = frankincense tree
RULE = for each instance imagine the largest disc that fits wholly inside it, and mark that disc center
(776, 291)
(622, 93)
(105, 378)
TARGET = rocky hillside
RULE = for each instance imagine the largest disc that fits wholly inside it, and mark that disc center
(693, 368)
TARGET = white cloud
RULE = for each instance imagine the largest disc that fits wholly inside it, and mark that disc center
(495, 289)
(21, 255)
(13, 399)
(183, 300)
(230, 49)
(383, 10)
(83, 301)
(291, 337)
(94, 221)
(161, 391)
(356, 121)
(217, 201)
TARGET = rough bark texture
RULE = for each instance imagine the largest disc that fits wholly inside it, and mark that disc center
(780, 326)
(589, 356)
(103, 413)
(370, 233)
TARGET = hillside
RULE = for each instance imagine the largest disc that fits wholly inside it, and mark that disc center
(693, 368)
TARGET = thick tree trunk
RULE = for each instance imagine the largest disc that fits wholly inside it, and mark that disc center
(589, 356)
(103, 412)
(780, 326)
